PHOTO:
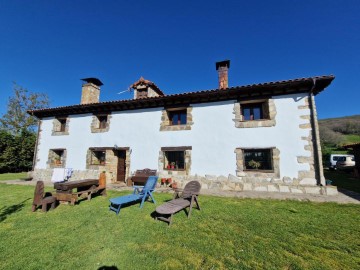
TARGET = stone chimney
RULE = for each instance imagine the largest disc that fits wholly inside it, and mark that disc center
(90, 90)
(222, 69)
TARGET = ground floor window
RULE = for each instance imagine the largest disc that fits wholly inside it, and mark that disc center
(174, 160)
(258, 159)
(56, 157)
(98, 157)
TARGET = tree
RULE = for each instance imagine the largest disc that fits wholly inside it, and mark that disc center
(16, 119)
(16, 151)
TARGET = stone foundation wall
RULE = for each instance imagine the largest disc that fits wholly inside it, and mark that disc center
(234, 183)
(46, 174)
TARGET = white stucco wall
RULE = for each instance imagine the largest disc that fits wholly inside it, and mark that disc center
(213, 137)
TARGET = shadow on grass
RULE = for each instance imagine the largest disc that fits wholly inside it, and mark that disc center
(8, 210)
(108, 268)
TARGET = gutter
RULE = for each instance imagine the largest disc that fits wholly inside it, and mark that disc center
(318, 166)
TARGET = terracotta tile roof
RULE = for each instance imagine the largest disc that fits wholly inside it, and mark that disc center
(254, 91)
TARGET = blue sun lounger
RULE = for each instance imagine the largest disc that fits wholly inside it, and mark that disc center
(140, 193)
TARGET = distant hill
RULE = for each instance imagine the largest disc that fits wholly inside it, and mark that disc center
(340, 131)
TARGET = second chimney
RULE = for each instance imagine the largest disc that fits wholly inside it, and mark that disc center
(222, 69)
(90, 90)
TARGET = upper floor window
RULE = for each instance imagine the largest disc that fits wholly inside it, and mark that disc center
(100, 123)
(255, 113)
(60, 126)
(177, 117)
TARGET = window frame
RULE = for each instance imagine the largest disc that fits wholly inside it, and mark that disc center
(167, 166)
(98, 162)
(179, 113)
(254, 150)
(57, 154)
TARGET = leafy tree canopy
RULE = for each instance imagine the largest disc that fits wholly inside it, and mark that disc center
(16, 118)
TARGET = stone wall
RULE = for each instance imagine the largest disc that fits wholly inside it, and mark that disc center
(234, 183)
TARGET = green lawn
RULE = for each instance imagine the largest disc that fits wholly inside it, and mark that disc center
(228, 233)
(352, 138)
(343, 179)
(12, 176)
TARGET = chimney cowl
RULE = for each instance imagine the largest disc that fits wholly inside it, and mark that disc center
(95, 81)
(225, 63)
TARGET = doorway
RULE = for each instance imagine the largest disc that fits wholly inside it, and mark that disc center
(121, 166)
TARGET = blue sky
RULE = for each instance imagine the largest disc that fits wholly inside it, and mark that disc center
(48, 46)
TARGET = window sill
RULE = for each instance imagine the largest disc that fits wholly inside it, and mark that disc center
(258, 171)
(254, 123)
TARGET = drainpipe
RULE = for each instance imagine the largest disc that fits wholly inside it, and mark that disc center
(318, 166)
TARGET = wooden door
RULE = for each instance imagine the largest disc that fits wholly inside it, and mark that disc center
(121, 167)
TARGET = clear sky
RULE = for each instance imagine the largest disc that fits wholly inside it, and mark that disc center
(48, 46)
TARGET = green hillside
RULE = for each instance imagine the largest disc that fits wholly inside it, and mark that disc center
(337, 132)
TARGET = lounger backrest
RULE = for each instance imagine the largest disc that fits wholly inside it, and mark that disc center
(193, 187)
(150, 183)
(39, 192)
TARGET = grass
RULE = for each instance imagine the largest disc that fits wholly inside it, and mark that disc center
(343, 179)
(228, 233)
(12, 176)
(352, 138)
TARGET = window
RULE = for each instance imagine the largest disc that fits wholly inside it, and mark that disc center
(57, 158)
(62, 124)
(258, 159)
(97, 157)
(142, 93)
(254, 111)
(174, 160)
(102, 121)
(177, 117)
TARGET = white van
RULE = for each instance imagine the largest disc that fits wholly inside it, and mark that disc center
(334, 158)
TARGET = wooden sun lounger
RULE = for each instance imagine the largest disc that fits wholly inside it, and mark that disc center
(182, 201)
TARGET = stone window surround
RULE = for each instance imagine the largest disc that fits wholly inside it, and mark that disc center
(110, 166)
(178, 172)
(240, 169)
(57, 126)
(96, 123)
(91, 166)
(51, 156)
(240, 123)
(165, 124)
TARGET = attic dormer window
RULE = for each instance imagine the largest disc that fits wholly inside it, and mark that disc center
(142, 93)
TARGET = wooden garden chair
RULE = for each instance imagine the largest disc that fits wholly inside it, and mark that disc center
(42, 198)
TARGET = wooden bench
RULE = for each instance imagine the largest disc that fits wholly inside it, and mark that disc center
(140, 177)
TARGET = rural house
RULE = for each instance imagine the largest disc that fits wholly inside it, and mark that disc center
(261, 137)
